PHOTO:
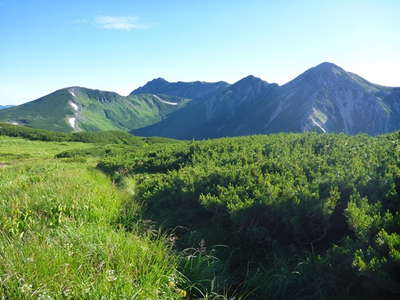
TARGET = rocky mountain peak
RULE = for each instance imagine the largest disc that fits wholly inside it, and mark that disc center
(326, 71)
(158, 80)
(249, 82)
(324, 75)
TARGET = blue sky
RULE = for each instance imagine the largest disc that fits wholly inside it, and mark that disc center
(121, 44)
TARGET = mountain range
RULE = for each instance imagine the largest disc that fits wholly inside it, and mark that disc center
(5, 106)
(324, 98)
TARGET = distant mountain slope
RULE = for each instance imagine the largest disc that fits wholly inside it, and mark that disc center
(324, 98)
(77, 108)
(5, 106)
(222, 114)
(190, 90)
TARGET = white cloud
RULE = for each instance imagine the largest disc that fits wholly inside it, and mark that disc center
(118, 23)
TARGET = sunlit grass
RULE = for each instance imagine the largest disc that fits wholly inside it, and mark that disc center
(17, 150)
(58, 237)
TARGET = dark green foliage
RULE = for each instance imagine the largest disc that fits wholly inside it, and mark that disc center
(106, 137)
(32, 134)
(97, 151)
(302, 216)
(100, 137)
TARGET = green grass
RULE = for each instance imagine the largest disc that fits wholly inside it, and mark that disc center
(61, 235)
(58, 236)
(16, 150)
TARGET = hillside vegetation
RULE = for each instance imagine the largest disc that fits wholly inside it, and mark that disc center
(77, 108)
(101, 137)
(288, 216)
(285, 216)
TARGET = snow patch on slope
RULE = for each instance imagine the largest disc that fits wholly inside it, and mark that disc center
(164, 101)
(318, 119)
(316, 124)
(74, 106)
(72, 122)
(71, 91)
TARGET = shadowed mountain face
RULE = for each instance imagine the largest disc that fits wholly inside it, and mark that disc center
(191, 90)
(324, 98)
(223, 114)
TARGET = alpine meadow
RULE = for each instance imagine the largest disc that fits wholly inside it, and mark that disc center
(223, 186)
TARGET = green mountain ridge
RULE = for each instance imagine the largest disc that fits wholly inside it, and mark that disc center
(77, 108)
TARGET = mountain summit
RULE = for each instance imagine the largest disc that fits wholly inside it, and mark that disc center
(322, 75)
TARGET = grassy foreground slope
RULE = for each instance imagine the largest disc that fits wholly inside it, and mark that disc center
(58, 235)
(287, 216)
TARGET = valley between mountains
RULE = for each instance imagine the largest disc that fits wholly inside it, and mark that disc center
(325, 98)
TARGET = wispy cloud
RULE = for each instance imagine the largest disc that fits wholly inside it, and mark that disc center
(118, 23)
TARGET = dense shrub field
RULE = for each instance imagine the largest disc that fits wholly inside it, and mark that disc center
(286, 216)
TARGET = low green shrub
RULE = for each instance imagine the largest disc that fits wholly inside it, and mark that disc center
(305, 216)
